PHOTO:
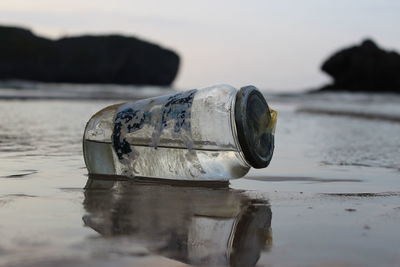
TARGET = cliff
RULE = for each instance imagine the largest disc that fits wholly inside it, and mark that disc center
(110, 59)
(365, 67)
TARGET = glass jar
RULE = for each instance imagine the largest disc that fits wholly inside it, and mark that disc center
(215, 133)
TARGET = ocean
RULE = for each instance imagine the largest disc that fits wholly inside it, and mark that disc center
(331, 192)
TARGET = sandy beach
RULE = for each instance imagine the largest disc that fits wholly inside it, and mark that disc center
(331, 196)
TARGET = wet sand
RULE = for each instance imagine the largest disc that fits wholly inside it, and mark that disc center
(331, 197)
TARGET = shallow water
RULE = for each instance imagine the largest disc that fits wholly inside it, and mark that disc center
(331, 195)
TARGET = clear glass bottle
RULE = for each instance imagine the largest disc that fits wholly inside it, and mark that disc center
(215, 133)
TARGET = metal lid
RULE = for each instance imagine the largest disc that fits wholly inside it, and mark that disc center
(252, 116)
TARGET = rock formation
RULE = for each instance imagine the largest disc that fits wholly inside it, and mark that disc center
(111, 59)
(365, 68)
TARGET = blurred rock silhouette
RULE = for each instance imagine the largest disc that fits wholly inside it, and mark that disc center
(84, 59)
(365, 68)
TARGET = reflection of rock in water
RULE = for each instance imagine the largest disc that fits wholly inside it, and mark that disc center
(195, 225)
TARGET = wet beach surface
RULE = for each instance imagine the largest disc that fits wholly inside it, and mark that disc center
(331, 196)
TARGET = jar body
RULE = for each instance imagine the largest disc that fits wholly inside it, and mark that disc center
(185, 136)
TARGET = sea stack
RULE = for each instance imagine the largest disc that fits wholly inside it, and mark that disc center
(109, 59)
(363, 68)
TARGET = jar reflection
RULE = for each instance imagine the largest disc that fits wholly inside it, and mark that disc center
(195, 225)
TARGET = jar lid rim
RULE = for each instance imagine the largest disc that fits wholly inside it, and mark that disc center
(252, 117)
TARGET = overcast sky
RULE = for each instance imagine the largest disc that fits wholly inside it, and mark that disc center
(272, 44)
